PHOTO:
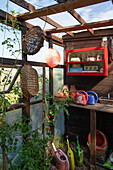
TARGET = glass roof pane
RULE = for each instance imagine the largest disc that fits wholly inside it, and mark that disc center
(92, 13)
(11, 6)
(41, 3)
(98, 12)
(64, 19)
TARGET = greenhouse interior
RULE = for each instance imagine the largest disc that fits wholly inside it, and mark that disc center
(56, 85)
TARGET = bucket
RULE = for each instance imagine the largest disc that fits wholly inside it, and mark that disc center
(101, 143)
(79, 161)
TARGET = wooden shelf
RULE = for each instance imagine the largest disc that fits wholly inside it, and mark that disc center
(97, 107)
(87, 61)
(96, 61)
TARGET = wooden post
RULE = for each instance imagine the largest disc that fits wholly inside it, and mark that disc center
(4, 160)
(93, 139)
(51, 72)
(25, 110)
(51, 87)
(43, 109)
(43, 106)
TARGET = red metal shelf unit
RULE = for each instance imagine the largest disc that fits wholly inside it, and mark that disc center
(87, 61)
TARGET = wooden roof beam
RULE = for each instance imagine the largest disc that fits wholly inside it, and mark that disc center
(24, 4)
(54, 9)
(30, 7)
(82, 27)
(79, 19)
(77, 16)
(53, 23)
(56, 40)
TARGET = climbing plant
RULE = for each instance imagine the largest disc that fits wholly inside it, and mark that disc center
(8, 140)
(33, 145)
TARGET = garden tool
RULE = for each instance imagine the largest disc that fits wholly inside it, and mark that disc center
(81, 97)
(70, 155)
(62, 162)
(91, 97)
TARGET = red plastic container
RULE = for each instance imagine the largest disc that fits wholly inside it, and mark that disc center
(101, 142)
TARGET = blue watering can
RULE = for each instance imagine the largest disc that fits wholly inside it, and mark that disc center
(91, 98)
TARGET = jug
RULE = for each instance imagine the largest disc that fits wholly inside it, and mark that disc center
(81, 97)
(91, 98)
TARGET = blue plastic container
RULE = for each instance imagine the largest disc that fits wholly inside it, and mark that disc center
(77, 69)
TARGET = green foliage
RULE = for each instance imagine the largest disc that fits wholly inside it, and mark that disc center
(11, 42)
(33, 152)
(34, 148)
(8, 140)
(53, 107)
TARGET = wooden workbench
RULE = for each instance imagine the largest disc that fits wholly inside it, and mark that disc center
(93, 108)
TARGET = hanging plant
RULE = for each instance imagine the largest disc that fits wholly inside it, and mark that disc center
(52, 57)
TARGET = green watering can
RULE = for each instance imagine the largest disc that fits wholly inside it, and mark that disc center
(78, 154)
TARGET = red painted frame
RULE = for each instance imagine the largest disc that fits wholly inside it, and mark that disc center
(105, 61)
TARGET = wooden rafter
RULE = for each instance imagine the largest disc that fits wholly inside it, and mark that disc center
(79, 19)
(50, 21)
(56, 40)
(82, 27)
(30, 7)
(8, 61)
(54, 9)
(24, 4)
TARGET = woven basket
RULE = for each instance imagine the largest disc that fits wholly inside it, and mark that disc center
(29, 81)
(33, 40)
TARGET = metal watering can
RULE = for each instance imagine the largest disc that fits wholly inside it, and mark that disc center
(81, 97)
(62, 162)
(91, 98)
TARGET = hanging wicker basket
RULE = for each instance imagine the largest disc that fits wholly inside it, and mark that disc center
(29, 81)
(33, 40)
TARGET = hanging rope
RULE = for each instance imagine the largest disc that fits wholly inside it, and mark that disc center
(45, 20)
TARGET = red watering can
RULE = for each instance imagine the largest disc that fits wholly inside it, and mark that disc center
(81, 97)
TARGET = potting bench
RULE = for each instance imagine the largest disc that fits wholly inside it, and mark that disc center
(93, 109)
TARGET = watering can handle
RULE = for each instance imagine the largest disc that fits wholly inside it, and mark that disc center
(54, 147)
(94, 94)
(84, 93)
